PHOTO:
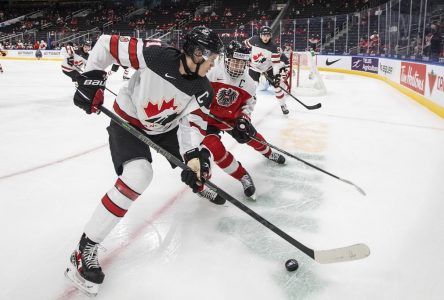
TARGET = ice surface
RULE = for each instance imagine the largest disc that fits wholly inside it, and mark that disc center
(55, 166)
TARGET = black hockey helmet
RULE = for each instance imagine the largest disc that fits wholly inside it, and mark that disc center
(237, 56)
(204, 39)
(86, 46)
(265, 30)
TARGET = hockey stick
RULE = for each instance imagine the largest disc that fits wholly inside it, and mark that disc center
(353, 252)
(360, 190)
(310, 107)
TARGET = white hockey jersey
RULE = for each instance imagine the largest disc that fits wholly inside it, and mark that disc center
(263, 56)
(79, 61)
(157, 98)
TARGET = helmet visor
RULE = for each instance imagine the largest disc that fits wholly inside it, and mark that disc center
(201, 51)
(235, 67)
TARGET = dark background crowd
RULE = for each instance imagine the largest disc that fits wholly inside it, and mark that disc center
(301, 24)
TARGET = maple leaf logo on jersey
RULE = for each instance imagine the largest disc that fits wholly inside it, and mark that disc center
(257, 57)
(163, 115)
(226, 97)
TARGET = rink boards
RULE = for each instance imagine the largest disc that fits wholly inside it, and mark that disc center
(423, 82)
(24, 54)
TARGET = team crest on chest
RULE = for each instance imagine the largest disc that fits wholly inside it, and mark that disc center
(161, 114)
(226, 96)
(259, 57)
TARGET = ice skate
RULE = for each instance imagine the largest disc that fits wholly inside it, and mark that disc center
(248, 185)
(212, 196)
(84, 269)
(277, 158)
(285, 110)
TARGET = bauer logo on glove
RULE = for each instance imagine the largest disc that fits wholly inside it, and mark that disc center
(90, 92)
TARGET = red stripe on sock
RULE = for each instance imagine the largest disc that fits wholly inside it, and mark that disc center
(126, 190)
(226, 161)
(239, 173)
(112, 207)
(280, 96)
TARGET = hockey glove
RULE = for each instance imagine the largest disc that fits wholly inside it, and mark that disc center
(114, 68)
(275, 80)
(89, 94)
(243, 130)
(198, 162)
(70, 61)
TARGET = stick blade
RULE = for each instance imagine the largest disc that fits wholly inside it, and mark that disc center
(316, 106)
(360, 190)
(354, 252)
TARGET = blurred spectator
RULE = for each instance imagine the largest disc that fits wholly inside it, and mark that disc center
(313, 42)
(435, 42)
(43, 45)
(374, 43)
(363, 45)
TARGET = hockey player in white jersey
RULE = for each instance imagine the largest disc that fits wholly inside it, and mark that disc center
(74, 61)
(265, 59)
(115, 68)
(284, 68)
(161, 99)
(233, 102)
(2, 53)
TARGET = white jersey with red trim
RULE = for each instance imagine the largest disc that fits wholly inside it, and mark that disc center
(78, 61)
(232, 98)
(263, 56)
(157, 98)
(2, 50)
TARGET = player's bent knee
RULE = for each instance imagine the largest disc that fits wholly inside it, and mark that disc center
(137, 174)
(214, 144)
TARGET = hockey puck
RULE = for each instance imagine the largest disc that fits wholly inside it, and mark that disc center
(291, 265)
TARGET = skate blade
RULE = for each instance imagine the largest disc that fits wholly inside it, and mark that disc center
(252, 197)
(87, 287)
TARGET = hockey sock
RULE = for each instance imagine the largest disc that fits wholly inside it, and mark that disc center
(136, 177)
(224, 159)
(279, 96)
(260, 147)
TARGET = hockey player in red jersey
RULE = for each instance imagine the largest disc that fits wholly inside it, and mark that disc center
(233, 102)
(265, 58)
(161, 99)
